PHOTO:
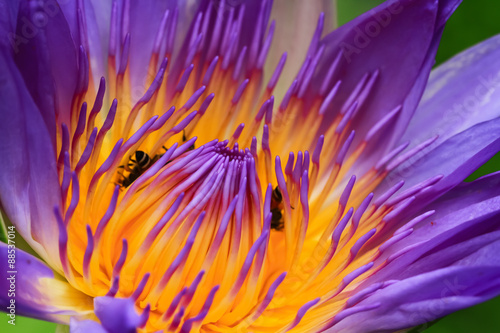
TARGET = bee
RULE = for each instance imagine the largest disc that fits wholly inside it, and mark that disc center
(136, 166)
(277, 222)
(141, 161)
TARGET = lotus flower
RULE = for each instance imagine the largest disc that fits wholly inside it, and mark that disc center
(173, 174)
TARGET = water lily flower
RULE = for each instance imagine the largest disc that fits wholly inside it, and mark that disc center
(172, 171)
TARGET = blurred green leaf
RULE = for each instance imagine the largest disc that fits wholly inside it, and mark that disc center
(481, 318)
(3, 229)
(62, 329)
(26, 325)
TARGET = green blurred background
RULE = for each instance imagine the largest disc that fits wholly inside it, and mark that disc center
(473, 22)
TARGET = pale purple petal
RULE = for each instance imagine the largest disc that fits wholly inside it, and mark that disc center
(455, 159)
(460, 93)
(32, 298)
(423, 298)
(118, 315)
(295, 38)
(145, 20)
(464, 224)
(85, 326)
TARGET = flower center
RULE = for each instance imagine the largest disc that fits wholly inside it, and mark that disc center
(203, 224)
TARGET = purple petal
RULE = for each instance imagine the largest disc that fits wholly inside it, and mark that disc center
(47, 58)
(460, 93)
(117, 315)
(465, 225)
(455, 159)
(466, 194)
(29, 185)
(85, 326)
(95, 36)
(486, 255)
(477, 251)
(423, 298)
(98, 16)
(470, 244)
(32, 298)
(295, 38)
(8, 17)
(145, 22)
(398, 39)
(95, 17)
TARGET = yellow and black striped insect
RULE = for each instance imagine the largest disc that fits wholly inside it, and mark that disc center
(136, 166)
(139, 163)
(277, 222)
